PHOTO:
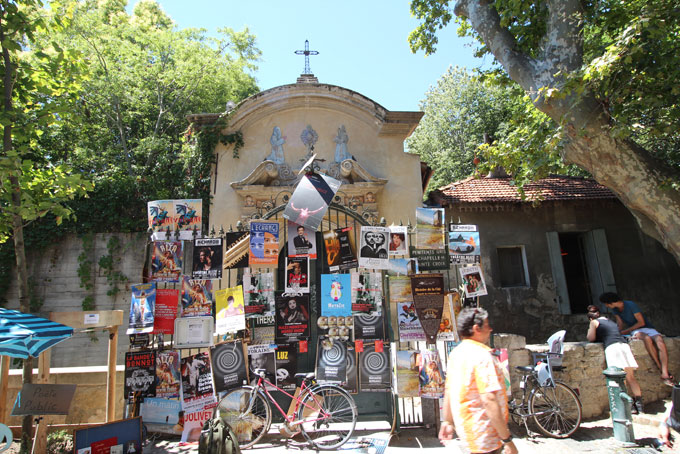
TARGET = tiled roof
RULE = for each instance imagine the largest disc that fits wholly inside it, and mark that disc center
(500, 189)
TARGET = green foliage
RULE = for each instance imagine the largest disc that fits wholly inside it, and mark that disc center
(59, 442)
(85, 271)
(109, 263)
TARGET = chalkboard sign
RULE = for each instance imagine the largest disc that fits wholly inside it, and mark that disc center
(124, 432)
(36, 399)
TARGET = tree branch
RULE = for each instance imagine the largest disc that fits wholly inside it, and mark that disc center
(562, 48)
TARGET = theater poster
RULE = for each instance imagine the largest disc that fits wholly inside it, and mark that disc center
(369, 326)
(189, 215)
(258, 293)
(336, 295)
(331, 362)
(340, 249)
(207, 258)
(398, 246)
(408, 384)
(292, 318)
(301, 241)
(263, 329)
(229, 365)
(352, 384)
(430, 228)
(286, 367)
(197, 296)
(167, 374)
(140, 374)
(198, 391)
(161, 219)
(310, 200)
(167, 300)
(264, 244)
(431, 375)
(230, 315)
(367, 292)
(297, 274)
(374, 368)
(166, 261)
(473, 280)
(410, 328)
(374, 244)
(142, 306)
(236, 250)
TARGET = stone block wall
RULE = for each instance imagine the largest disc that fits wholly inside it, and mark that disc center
(584, 363)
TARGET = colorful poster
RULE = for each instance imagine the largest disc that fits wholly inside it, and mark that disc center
(333, 327)
(236, 252)
(189, 214)
(301, 241)
(373, 252)
(193, 424)
(428, 296)
(367, 292)
(408, 384)
(375, 371)
(410, 328)
(197, 385)
(230, 315)
(310, 200)
(297, 274)
(207, 258)
(161, 415)
(140, 374)
(292, 318)
(166, 261)
(142, 305)
(400, 289)
(447, 327)
(264, 244)
(262, 358)
(431, 375)
(167, 374)
(430, 228)
(336, 294)
(464, 246)
(340, 249)
(197, 297)
(369, 326)
(398, 241)
(229, 365)
(258, 293)
(263, 329)
(286, 367)
(165, 313)
(402, 267)
(161, 219)
(473, 280)
(331, 362)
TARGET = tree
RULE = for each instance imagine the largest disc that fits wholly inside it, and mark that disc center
(605, 72)
(37, 89)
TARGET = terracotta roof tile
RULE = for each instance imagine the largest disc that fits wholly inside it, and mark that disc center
(490, 189)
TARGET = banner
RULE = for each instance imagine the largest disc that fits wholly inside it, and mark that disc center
(168, 375)
(229, 365)
(166, 261)
(230, 315)
(428, 296)
(140, 374)
(264, 244)
(142, 305)
(431, 259)
(207, 258)
(165, 313)
(336, 294)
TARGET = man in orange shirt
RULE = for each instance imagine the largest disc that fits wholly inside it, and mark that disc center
(475, 402)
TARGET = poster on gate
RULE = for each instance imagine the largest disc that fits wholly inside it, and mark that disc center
(258, 293)
(165, 314)
(229, 365)
(207, 259)
(168, 382)
(230, 315)
(264, 244)
(198, 391)
(140, 374)
(398, 241)
(166, 261)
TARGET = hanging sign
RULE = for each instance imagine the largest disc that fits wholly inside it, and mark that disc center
(428, 296)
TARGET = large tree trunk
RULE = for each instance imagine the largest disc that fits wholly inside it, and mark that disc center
(639, 180)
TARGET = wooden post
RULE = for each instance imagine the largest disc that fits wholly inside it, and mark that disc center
(111, 375)
(44, 366)
(4, 384)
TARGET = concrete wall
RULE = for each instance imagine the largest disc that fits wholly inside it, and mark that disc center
(584, 363)
(643, 270)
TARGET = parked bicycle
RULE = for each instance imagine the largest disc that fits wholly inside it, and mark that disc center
(325, 413)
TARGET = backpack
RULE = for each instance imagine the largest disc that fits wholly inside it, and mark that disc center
(217, 437)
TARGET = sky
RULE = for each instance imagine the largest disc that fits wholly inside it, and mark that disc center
(362, 45)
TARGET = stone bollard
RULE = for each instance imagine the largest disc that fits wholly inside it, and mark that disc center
(620, 405)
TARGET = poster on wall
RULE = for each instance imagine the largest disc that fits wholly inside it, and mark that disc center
(160, 415)
(142, 305)
(189, 215)
(197, 384)
(160, 214)
(263, 329)
(331, 362)
(374, 368)
(431, 375)
(400, 289)
(292, 318)
(340, 249)
(236, 250)
(258, 293)
(310, 200)
(301, 241)
(430, 228)
(166, 261)
(473, 280)
(230, 315)
(197, 297)
(335, 327)
(207, 258)
(286, 367)
(367, 292)
(140, 374)
(193, 423)
(464, 246)
(264, 244)
(398, 241)
(428, 296)
(408, 383)
(167, 375)
(165, 312)
(373, 252)
(369, 326)
(410, 328)
(228, 365)
(262, 357)
(402, 267)
(447, 327)
(336, 295)
(297, 274)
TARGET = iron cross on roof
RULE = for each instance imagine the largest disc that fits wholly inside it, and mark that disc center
(307, 53)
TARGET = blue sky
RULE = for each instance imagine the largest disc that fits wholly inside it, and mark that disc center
(362, 44)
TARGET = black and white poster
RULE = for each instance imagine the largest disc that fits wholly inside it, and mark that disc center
(197, 383)
(262, 357)
(374, 368)
(331, 361)
(310, 200)
(207, 258)
(369, 326)
(258, 293)
(140, 374)
(263, 330)
(229, 365)
(286, 367)
(352, 384)
(340, 249)
(301, 241)
(373, 253)
(292, 318)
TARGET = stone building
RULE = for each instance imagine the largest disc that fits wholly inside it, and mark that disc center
(547, 257)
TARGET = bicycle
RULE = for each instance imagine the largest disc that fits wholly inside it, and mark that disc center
(553, 406)
(325, 413)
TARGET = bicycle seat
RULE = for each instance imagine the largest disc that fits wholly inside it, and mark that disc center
(525, 369)
(305, 375)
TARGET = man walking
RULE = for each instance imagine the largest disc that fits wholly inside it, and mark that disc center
(475, 402)
(630, 320)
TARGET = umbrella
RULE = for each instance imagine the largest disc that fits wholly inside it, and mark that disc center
(23, 334)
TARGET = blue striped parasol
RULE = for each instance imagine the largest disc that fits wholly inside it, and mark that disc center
(23, 334)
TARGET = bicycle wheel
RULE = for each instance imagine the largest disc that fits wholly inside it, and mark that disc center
(327, 416)
(556, 411)
(249, 420)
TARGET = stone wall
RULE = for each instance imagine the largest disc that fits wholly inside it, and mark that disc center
(584, 363)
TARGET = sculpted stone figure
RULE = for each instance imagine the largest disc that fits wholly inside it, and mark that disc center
(277, 140)
(340, 140)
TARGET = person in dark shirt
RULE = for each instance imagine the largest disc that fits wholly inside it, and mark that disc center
(616, 351)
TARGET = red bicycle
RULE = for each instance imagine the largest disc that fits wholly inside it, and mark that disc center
(325, 413)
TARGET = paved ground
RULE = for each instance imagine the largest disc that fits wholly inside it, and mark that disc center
(593, 437)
